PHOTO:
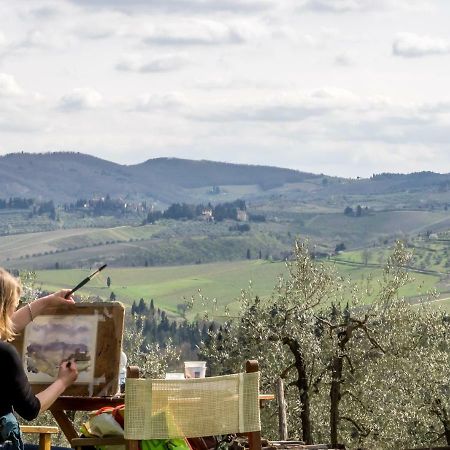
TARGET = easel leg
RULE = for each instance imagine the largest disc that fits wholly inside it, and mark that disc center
(65, 424)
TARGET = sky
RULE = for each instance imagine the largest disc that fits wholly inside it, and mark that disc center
(340, 87)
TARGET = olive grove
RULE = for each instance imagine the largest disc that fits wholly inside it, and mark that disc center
(362, 367)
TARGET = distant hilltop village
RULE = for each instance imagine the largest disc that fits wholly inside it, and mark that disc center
(102, 206)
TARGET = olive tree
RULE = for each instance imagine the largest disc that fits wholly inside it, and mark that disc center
(282, 333)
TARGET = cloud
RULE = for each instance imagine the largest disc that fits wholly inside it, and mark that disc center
(104, 24)
(441, 107)
(227, 83)
(103, 31)
(182, 6)
(344, 60)
(344, 6)
(388, 128)
(410, 45)
(3, 40)
(158, 102)
(160, 63)
(37, 38)
(45, 12)
(200, 32)
(9, 86)
(80, 99)
(42, 10)
(291, 107)
(341, 6)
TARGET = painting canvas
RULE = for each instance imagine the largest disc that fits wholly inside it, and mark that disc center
(54, 338)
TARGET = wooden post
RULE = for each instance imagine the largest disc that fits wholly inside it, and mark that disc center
(254, 438)
(45, 441)
(132, 372)
(282, 421)
(131, 445)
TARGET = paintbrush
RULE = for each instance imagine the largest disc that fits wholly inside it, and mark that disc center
(86, 280)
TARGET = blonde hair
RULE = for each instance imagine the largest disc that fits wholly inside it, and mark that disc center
(10, 291)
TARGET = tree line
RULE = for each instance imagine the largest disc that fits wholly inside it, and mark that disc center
(34, 206)
(180, 211)
(159, 329)
(105, 206)
(357, 212)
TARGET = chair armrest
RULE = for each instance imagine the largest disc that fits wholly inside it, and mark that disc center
(39, 429)
(45, 434)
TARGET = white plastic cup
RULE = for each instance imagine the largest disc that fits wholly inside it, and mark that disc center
(175, 376)
(194, 369)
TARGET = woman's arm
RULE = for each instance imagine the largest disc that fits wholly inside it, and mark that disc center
(17, 390)
(23, 316)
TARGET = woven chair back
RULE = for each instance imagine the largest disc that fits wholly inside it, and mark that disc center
(161, 409)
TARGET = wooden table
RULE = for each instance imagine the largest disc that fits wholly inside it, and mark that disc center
(64, 403)
(81, 403)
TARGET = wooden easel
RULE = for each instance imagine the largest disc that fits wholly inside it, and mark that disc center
(110, 316)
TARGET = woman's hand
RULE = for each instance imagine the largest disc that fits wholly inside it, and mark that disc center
(68, 372)
(56, 299)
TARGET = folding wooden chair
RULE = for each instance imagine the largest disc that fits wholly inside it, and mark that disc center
(164, 409)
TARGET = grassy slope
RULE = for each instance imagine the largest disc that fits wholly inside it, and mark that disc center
(165, 243)
(356, 230)
(170, 286)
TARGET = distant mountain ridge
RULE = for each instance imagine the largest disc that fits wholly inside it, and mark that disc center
(68, 176)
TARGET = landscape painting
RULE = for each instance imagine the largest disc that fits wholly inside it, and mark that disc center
(49, 340)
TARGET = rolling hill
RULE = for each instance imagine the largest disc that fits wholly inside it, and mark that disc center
(65, 177)
(68, 176)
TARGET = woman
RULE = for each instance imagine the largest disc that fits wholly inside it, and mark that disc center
(15, 390)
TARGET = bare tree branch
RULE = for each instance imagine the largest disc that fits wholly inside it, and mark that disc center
(359, 427)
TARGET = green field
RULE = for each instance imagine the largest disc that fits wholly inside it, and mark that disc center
(172, 286)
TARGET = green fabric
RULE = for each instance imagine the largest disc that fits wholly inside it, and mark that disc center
(157, 444)
(164, 444)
